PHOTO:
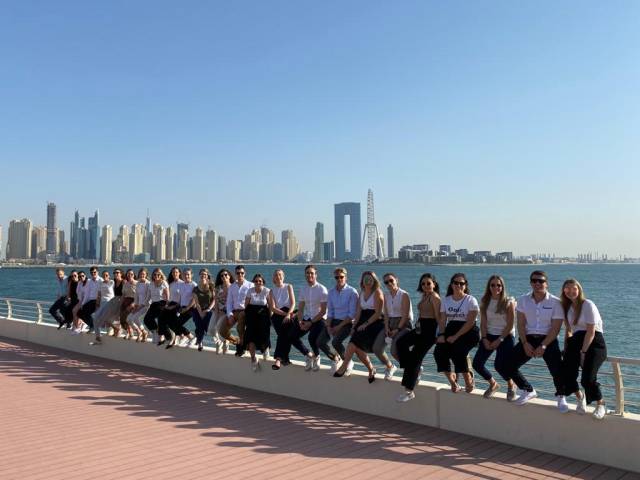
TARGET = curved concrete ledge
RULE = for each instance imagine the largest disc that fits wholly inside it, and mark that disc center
(537, 425)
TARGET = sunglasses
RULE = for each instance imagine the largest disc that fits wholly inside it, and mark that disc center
(225, 274)
(495, 285)
(538, 280)
(338, 277)
(239, 273)
(459, 284)
(388, 281)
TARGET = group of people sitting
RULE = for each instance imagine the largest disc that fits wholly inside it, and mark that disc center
(368, 321)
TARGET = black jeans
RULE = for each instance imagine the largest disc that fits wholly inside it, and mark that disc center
(167, 318)
(154, 313)
(319, 340)
(503, 355)
(593, 359)
(202, 325)
(286, 337)
(57, 310)
(177, 322)
(294, 338)
(412, 348)
(86, 312)
(552, 357)
(456, 352)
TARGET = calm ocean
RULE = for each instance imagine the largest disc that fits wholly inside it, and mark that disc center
(614, 289)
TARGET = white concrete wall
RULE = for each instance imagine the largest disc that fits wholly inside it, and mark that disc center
(537, 425)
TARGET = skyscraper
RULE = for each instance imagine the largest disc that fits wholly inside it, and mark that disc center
(233, 250)
(198, 246)
(182, 242)
(73, 235)
(329, 249)
(158, 252)
(222, 248)
(38, 242)
(318, 251)
(211, 246)
(391, 249)
(290, 246)
(1, 245)
(136, 240)
(352, 210)
(94, 237)
(169, 242)
(267, 241)
(52, 229)
(19, 239)
(106, 245)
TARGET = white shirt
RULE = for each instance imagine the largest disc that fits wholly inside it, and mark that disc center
(589, 315)
(142, 293)
(393, 304)
(457, 310)
(497, 321)
(313, 296)
(90, 290)
(156, 291)
(281, 296)
(186, 292)
(106, 290)
(539, 315)
(257, 298)
(174, 291)
(80, 292)
(367, 303)
(236, 295)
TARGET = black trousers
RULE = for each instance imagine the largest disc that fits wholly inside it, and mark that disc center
(503, 356)
(456, 352)
(552, 357)
(178, 321)
(57, 310)
(68, 311)
(593, 360)
(412, 348)
(319, 340)
(287, 336)
(167, 318)
(86, 312)
(154, 313)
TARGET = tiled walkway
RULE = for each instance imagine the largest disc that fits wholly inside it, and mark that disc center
(73, 417)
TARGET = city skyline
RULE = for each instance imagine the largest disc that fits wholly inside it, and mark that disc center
(496, 126)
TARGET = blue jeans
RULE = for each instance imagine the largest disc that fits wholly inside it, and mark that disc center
(503, 354)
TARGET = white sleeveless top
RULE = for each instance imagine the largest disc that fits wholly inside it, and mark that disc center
(281, 296)
(368, 304)
(394, 304)
(156, 291)
(142, 293)
(258, 298)
(497, 321)
(174, 290)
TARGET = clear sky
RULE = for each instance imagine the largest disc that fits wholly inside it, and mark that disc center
(487, 125)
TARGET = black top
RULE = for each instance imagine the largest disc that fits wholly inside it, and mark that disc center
(117, 289)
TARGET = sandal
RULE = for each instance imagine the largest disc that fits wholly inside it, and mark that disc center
(455, 388)
(276, 365)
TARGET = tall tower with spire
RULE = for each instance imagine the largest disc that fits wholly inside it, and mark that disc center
(375, 250)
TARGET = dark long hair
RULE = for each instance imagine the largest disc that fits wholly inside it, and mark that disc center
(503, 301)
(453, 277)
(219, 281)
(170, 280)
(436, 285)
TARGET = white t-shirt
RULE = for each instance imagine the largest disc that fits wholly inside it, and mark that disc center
(313, 296)
(257, 298)
(497, 321)
(106, 290)
(186, 292)
(589, 315)
(457, 310)
(540, 315)
(156, 291)
(142, 293)
(174, 290)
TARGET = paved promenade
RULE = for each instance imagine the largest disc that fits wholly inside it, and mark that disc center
(74, 417)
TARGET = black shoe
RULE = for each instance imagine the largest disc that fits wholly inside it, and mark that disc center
(200, 347)
(337, 374)
(372, 377)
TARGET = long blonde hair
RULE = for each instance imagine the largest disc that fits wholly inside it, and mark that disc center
(503, 301)
(567, 302)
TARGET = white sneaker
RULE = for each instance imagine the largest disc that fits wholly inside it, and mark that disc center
(315, 365)
(225, 347)
(191, 341)
(309, 364)
(406, 396)
(525, 397)
(581, 406)
(218, 346)
(388, 372)
(265, 355)
(563, 406)
(335, 365)
(255, 365)
(75, 331)
(599, 412)
(349, 369)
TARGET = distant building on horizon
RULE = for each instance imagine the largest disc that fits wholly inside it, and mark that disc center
(106, 245)
(391, 251)
(354, 250)
(329, 251)
(19, 240)
(39, 243)
(52, 229)
(94, 237)
(318, 251)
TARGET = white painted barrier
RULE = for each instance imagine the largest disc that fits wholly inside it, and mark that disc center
(538, 425)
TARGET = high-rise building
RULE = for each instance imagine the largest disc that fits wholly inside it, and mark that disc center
(290, 246)
(38, 242)
(352, 210)
(251, 245)
(106, 245)
(267, 241)
(391, 249)
(169, 242)
(73, 235)
(211, 246)
(198, 246)
(318, 251)
(94, 237)
(63, 246)
(444, 249)
(329, 251)
(136, 240)
(182, 242)
(52, 229)
(234, 247)
(19, 240)
(158, 253)
(1, 245)
(222, 248)
(82, 239)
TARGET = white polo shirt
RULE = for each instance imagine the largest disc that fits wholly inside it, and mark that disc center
(236, 296)
(589, 315)
(539, 315)
(313, 296)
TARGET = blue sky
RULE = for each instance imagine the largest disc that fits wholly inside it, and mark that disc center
(487, 125)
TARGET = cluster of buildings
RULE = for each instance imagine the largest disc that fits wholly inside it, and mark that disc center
(444, 254)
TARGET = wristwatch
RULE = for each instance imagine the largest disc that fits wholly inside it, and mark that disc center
(501, 339)
(543, 346)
